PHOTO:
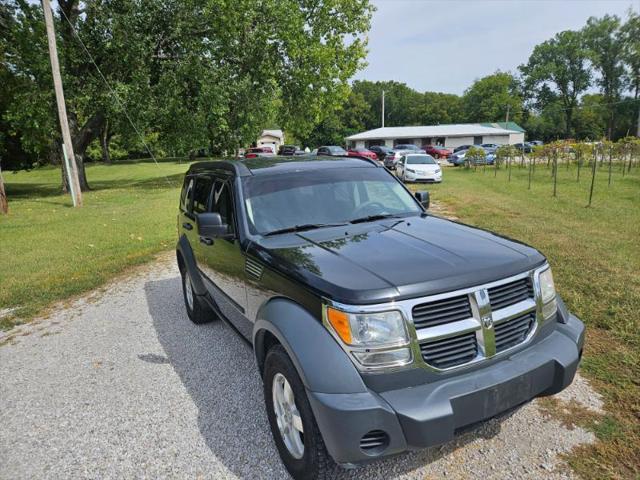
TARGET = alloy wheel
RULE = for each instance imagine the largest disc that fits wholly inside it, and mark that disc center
(287, 416)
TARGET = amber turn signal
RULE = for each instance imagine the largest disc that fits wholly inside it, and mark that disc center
(340, 323)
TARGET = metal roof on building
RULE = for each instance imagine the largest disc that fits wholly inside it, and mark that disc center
(508, 125)
(457, 130)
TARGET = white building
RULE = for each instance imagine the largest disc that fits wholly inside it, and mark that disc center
(450, 136)
(270, 138)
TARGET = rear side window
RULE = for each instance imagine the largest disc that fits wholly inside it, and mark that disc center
(185, 196)
(201, 194)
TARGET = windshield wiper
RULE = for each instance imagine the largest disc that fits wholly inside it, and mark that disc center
(371, 218)
(302, 228)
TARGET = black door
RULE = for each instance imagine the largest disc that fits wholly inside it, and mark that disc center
(222, 261)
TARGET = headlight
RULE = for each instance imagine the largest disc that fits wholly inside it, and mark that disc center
(438, 170)
(410, 171)
(547, 294)
(376, 339)
(368, 329)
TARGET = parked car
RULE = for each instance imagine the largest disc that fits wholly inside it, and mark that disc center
(458, 158)
(490, 145)
(362, 152)
(437, 151)
(418, 167)
(381, 151)
(462, 147)
(391, 160)
(332, 151)
(288, 150)
(536, 143)
(376, 327)
(259, 152)
(409, 146)
(523, 147)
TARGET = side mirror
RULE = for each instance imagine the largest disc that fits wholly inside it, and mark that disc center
(423, 198)
(210, 225)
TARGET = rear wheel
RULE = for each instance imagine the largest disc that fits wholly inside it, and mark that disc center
(293, 425)
(197, 310)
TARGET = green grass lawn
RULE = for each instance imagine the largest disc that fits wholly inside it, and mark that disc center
(52, 251)
(595, 256)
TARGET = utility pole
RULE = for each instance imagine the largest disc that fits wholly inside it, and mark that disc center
(382, 108)
(67, 146)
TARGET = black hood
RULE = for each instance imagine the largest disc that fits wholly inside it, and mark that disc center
(396, 259)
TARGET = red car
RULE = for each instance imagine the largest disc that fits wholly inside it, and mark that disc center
(258, 152)
(437, 151)
(362, 152)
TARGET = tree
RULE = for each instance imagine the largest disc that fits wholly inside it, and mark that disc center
(212, 72)
(558, 69)
(439, 108)
(347, 120)
(490, 97)
(401, 103)
(631, 55)
(605, 44)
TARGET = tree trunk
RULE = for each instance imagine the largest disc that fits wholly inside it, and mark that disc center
(4, 205)
(81, 139)
(105, 138)
(569, 120)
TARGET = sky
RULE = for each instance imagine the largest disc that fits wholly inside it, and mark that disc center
(444, 45)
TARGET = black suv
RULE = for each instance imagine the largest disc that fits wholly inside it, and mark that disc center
(377, 327)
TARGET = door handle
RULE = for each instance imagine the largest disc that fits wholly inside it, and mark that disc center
(187, 226)
(206, 241)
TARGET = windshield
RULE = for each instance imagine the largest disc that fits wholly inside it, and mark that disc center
(420, 160)
(403, 146)
(323, 197)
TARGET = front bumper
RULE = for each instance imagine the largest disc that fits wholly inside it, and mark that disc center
(423, 177)
(432, 413)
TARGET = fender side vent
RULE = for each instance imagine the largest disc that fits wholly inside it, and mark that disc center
(253, 269)
(374, 442)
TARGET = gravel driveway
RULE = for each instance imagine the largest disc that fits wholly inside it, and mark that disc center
(120, 384)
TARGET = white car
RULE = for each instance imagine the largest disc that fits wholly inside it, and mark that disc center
(418, 167)
(391, 160)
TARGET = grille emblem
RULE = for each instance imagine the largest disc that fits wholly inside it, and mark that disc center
(487, 322)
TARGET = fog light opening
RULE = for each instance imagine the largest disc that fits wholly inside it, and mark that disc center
(374, 442)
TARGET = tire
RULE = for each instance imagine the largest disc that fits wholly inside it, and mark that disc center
(314, 462)
(197, 310)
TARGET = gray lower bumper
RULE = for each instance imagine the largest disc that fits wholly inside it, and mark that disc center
(430, 414)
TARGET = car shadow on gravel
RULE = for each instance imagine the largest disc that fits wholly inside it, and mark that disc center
(219, 372)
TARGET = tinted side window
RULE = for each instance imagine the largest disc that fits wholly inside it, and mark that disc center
(201, 194)
(185, 196)
(223, 204)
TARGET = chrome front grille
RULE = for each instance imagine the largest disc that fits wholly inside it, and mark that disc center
(451, 351)
(463, 327)
(442, 311)
(510, 293)
(514, 331)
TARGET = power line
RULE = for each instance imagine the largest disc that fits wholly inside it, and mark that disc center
(115, 95)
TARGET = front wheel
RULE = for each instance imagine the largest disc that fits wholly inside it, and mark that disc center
(293, 425)
(197, 310)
